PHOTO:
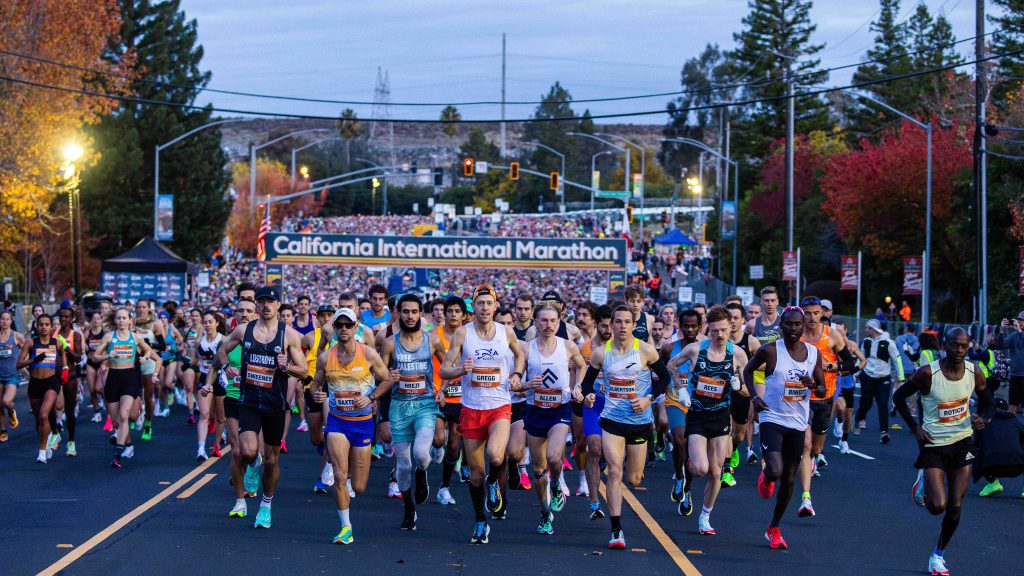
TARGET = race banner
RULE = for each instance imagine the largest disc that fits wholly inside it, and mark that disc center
(165, 217)
(790, 266)
(448, 251)
(275, 275)
(161, 286)
(913, 280)
(617, 285)
(848, 273)
(728, 220)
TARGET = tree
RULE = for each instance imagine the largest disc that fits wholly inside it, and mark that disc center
(700, 79)
(886, 58)
(1008, 38)
(349, 128)
(272, 178)
(160, 46)
(450, 118)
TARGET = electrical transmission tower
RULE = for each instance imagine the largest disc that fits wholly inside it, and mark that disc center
(382, 128)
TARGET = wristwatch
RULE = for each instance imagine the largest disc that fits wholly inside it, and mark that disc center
(518, 374)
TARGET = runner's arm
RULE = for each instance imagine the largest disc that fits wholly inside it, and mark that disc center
(297, 367)
(230, 343)
(100, 354)
(759, 359)
(919, 382)
(577, 367)
(380, 373)
(596, 362)
(517, 350)
(451, 367)
(985, 405)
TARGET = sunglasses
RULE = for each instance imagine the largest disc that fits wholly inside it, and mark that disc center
(345, 325)
(810, 301)
(797, 308)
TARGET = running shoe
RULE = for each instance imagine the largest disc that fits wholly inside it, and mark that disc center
(583, 489)
(345, 536)
(884, 438)
(991, 489)
(129, 451)
(15, 423)
(704, 526)
(53, 442)
(303, 427)
(774, 538)
(211, 426)
(393, 491)
(659, 455)
(295, 409)
(97, 417)
(844, 447)
(375, 453)
(252, 480)
(284, 447)
(524, 481)
(494, 500)
(409, 520)
(685, 507)
(444, 497)
(436, 454)
(918, 489)
(49, 453)
(140, 422)
(263, 517)
(728, 480)
(617, 541)
(147, 431)
(108, 426)
(165, 413)
(751, 456)
(500, 514)
(319, 488)
(595, 511)
(814, 468)
(216, 450)
(201, 455)
(837, 428)
(422, 487)
(239, 510)
(327, 475)
(859, 427)
(764, 489)
(544, 526)
(480, 533)
(115, 464)
(41, 458)
(734, 460)
(558, 497)
(806, 509)
(677, 489)
(3, 436)
(566, 464)
(191, 420)
(73, 452)
(937, 566)
(895, 426)
(822, 462)
(464, 476)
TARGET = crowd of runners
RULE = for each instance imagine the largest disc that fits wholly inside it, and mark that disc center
(504, 391)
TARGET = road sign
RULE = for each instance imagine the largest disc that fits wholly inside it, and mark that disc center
(617, 194)
(599, 295)
(700, 298)
(481, 167)
(638, 185)
(685, 294)
(757, 272)
(746, 294)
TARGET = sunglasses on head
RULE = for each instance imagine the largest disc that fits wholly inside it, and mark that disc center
(797, 308)
(811, 301)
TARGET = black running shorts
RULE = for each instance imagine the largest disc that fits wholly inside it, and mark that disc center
(949, 457)
(271, 423)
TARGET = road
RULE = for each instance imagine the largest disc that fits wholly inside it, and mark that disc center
(164, 514)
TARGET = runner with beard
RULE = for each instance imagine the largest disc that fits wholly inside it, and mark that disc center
(739, 405)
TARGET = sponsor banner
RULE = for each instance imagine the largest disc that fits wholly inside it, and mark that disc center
(790, 266)
(161, 286)
(275, 275)
(913, 280)
(616, 285)
(728, 220)
(848, 273)
(165, 217)
(448, 251)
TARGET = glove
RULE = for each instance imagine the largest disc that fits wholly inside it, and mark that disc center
(63, 343)
(734, 382)
(684, 397)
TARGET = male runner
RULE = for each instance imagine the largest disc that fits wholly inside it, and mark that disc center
(486, 411)
(304, 321)
(627, 363)
(517, 478)
(523, 313)
(378, 316)
(345, 379)
(315, 411)
(713, 366)
(945, 437)
(449, 396)
(635, 295)
(413, 411)
(677, 402)
(670, 319)
(271, 352)
(657, 333)
(790, 366)
(739, 405)
(753, 311)
(592, 412)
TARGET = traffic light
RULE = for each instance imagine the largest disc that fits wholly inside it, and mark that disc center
(513, 170)
(553, 182)
(376, 183)
(468, 165)
(629, 214)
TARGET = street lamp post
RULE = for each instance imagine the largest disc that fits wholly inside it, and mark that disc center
(593, 168)
(557, 153)
(643, 175)
(72, 153)
(253, 148)
(303, 147)
(625, 185)
(384, 210)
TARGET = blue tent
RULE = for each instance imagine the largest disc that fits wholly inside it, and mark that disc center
(675, 237)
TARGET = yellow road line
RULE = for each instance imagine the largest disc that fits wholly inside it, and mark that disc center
(659, 533)
(195, 487)
(123, 521)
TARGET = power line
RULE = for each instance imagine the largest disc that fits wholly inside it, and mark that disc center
(712, 89)
(711, 106)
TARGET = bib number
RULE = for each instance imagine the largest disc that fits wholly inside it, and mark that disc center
(794, 392)
(6, 352)
(547, 397)
(453, 390)
(345, 400)
(684, 380)
(622, 388)
(486, 377)
(412, 385)
(953, 411)
(259, 376)
(710, 387)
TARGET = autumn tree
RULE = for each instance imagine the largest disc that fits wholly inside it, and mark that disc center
(272, 179)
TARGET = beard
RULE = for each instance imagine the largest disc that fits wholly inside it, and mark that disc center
(408, 329)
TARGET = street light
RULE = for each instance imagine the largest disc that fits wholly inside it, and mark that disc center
(303, 147)
(593, 169)
(71, 153)
(643, 174)
(377, 183)
(625, 186)
(253, 148)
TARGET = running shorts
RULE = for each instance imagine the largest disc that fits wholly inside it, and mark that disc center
(518, 411)
(451, 412)
(270, 422)
(38, 387)
(384, 408)
(739, 407)
(539, 421)
(633, 433)
(408, 416)
(707, 424)
(94, 365)
(1016, 397)
(821, 416)
(12, 380)
(231, 408)
(475, 424)
(592, 417)
(122, 382)
(358, 432)
(949, 457)
(786, 441)
(676, 416)
(148, 367)
(577, 408)
(312, 406)
(847, 394)
(219, 391)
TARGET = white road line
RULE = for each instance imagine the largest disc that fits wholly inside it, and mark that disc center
(855, 453)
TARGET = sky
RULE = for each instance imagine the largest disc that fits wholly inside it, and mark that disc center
(443, 51)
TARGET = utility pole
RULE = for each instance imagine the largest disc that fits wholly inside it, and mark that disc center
(789, 158)
(501, 145)
(980, 94)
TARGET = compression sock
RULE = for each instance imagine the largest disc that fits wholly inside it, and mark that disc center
(447, 469)
(616, 523)
(343, 516)
(476, 493)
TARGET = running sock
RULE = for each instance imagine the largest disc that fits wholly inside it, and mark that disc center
(705, 512)
(447, 469)
(476, 493)
(492, 475)
(343, 516)
(937, 552)
(522, 468)
(846, 436)
(266, 500)
(949, 523)
(616, 523)
(239, 502)
(407, 500)
(52, 417)
(805, 495)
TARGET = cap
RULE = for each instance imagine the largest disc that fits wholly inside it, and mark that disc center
(268, 293)
(826, 304)
(65, 303)
(483, 290)
(874, 325)
(164, 314)
(552, 295)
(325, 309)
(344, 313)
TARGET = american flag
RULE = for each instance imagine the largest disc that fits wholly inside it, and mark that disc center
(261, 241)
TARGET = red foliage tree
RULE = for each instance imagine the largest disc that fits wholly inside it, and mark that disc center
(810, 154)
(271, 178)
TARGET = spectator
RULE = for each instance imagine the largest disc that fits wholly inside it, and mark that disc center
(883, 364)
(1011, 339)
(909, 348)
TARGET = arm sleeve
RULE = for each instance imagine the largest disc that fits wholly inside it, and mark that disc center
(588, 380)
(160, 345)
(899, 399)
(847, 361)
(659, 369)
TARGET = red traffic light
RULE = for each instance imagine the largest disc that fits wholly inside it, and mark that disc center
(513, 170)
(467, 166)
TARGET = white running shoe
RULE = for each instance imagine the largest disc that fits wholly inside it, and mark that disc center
(583, 489)
(201, 455)
(162, 413)
(129, 451)
(48, 453)
(41, 459)
(97, 417)
(837, 428)
(937, 566)
(564, 487)
(444, 497)
(844, 447)
(303, 427)
(327, 475)
(351, 492)
(393, 491)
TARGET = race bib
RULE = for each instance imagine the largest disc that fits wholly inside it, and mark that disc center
(259, 376)
(953, 411)
(412, 384)
(453, 390)
(122, 352)
(345, 400)
(486, 377)
(684, 380)
(547, 397)
(205, 365)
(709, 387)
(794, 392)
(6, 352)
(236, 381)
(622, 388)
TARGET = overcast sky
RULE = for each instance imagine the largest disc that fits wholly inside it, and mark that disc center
(450, 50)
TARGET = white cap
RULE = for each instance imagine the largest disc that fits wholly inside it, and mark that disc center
(344, 313)
(875, 325)
(826, 304)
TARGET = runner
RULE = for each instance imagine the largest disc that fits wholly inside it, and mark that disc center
(270, 352)
(449, 396)
(883, 362)
(315, 342)
(676, 404)
(188, 369)
(713, 369)
(791, 366)
(592, 411)
(478, 355)
(945, 437)
(304, 321)
(245, 482)
(94, 372)
(345, 379)
(44, 357)
(523, 313)
(739, 405)
(626, 419)
(635, 295)
(843, 407)
(517, 457)
(74, 350)
(204, 356)
(378, 316)
(123, 389)
(150, 331)
(11, 344)
(553, 364)
(585, 314)
(169, 356)
(413, 411)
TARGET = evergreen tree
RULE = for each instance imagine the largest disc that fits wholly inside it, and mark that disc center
(701, 79)
(161, 46)
(1008, 37)
(887, 58)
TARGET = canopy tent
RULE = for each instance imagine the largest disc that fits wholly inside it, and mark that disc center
(675, 237)
(149, 256)
(147, 270)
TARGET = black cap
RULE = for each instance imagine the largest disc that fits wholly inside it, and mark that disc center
(325, 309)
(268, 293)
(551, 295)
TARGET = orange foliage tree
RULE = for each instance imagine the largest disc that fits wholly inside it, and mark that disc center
(272, 179)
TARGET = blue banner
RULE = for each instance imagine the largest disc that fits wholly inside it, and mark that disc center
(160, 286)
(729, 220)
(165, 217)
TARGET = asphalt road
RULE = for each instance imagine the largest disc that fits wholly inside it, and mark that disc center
(137, 520)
